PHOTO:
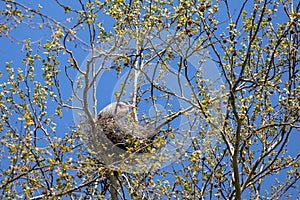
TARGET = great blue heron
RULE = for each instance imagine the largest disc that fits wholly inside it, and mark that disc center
(116, 131)
(116, 110)
(120, 130)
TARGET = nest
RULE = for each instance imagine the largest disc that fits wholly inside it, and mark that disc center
(115, 133)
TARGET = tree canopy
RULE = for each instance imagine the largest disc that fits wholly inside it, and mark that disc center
(214, 83)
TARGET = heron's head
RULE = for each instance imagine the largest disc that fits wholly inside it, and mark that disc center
(116, 109)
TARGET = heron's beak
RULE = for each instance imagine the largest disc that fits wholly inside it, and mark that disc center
(132, 106)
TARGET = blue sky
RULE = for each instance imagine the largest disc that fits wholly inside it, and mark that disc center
(12, 51)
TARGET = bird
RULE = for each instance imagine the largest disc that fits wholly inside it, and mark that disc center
(116, 129)
(115, 110)
(114, 123)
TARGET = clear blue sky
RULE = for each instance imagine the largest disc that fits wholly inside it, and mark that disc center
(12, 51)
